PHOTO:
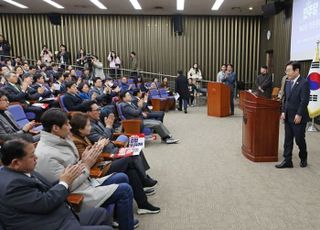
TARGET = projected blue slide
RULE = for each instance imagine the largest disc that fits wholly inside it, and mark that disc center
(305, 29)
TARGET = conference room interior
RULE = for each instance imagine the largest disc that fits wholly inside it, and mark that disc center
(210, 167)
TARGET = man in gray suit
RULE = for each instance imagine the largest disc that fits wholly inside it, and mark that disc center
(28, 201)
(131, 111)
(8, 126)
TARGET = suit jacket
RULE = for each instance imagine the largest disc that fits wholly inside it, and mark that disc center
(265, 82)
(73, 102)
(9, 129)
(46, 94)
(55, 154)
(296, 100)
(98, 130)
(131, 111)
(27, 203)
(182, 87)
(102, 98)
(15, 95)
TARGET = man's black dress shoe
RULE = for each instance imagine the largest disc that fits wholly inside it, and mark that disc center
(303, 163)
(284, 164)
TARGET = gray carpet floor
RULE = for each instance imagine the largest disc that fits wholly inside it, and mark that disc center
(206, 183)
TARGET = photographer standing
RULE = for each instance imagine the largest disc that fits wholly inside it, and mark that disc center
(46, 55)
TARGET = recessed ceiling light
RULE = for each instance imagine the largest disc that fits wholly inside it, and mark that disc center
(250, 8)
(180, 4)
(217, 4)
(16, 4)
(52, 3)
(135, 4)
(99, 4)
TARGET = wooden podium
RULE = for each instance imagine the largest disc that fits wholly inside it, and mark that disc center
(260, 128)
(218, 99)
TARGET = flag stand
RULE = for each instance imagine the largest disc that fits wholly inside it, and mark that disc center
(312, 127)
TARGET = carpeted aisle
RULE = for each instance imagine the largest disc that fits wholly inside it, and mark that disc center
(206, 183)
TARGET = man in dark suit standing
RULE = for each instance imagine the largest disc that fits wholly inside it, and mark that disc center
(295, 114)
(264, 83)
(182, 87)
(29, 201)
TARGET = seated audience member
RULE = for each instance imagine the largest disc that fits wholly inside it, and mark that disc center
(141, 84)
(131, 111)
(41, 87)
(25, 67)
(103, 94)
(29, 201)
(72, 100)
(140, 100)
(86, 74)
(32, 69)
(124, 86)
(84, 89)
(8, 63)
(98, 131)
(55, 151)
(165, 84)
(59, 85)
(19, 71)
(3, 70)
(81, 128)
(19, 93)
(8, 126)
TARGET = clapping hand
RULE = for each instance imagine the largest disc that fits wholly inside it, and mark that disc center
(90, 155)
(71, 173)
(109, 120)
(27, 127)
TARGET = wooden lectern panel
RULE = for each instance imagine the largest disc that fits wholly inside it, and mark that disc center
(218, 99)
(260, 128)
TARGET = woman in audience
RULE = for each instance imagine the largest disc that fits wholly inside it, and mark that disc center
(81, 128)
(19, 71)
(46, 55)
(114, 64)
(8, 63)
(165, 84)
(195, 73)
(84, 89)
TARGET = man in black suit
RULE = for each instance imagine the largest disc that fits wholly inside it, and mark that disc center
(19, 93)
(295, 114)
(29, 201)
(182, 87)
(264, 83)
(72, 101)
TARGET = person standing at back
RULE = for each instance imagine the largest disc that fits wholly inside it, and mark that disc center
(182, 88)
(264, 83)
(295, 115)
(230, 79)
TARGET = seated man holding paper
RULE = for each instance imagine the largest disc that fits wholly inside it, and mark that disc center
(81, 128)
(131, 111)
(98, 131)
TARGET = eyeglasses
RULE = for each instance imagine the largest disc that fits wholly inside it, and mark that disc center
(98, 109)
